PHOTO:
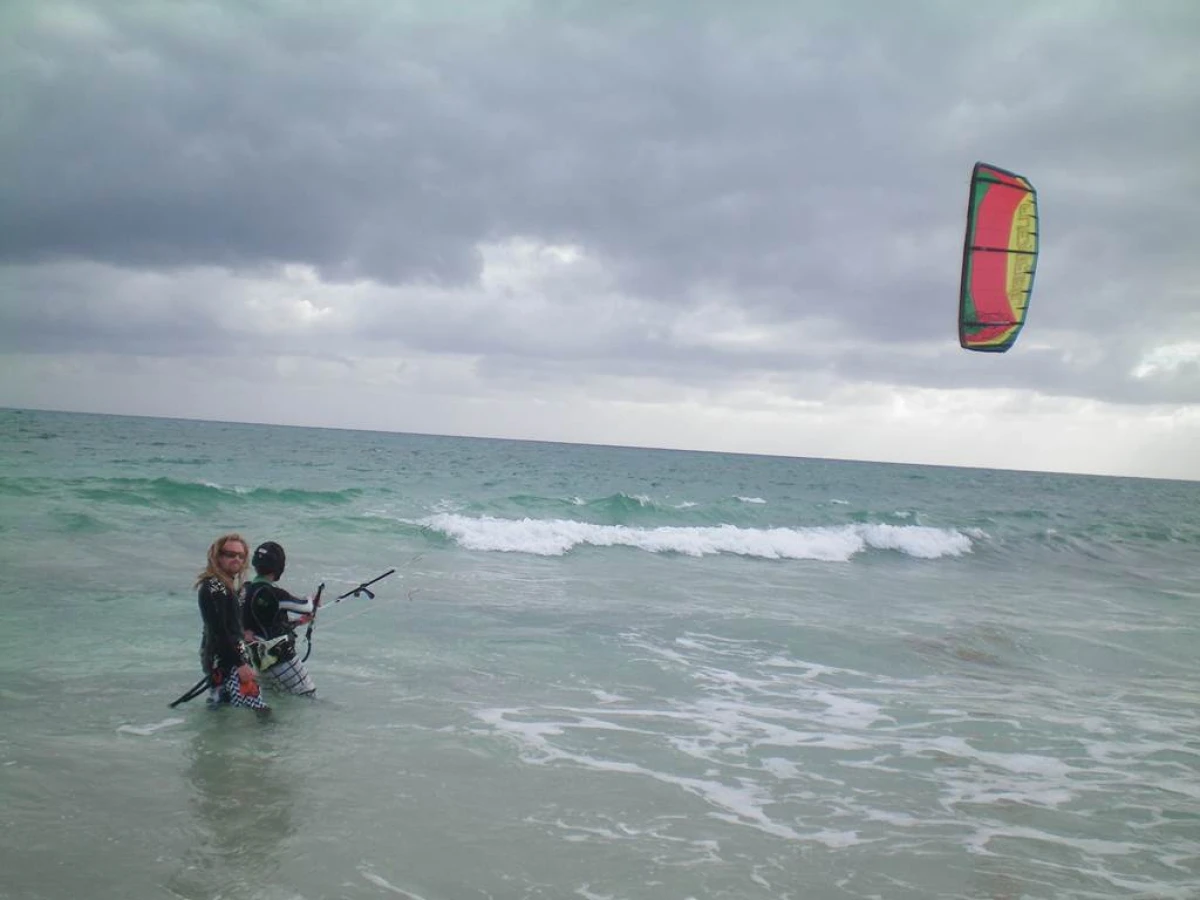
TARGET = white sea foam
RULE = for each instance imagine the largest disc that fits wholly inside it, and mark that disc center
(1002, 778)
(742, 803)
(237, 489)
(145, 730)
(606, 697)
(782, 769)
(752, 499)
(554, 537)
(835, 839)
(1020, 763)
(847, 712)
(388, 886)
(1087, 846)
(737, 713)
(899, 819)
(771, 734)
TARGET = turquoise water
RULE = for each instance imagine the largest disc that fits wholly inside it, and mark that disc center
(598, 673)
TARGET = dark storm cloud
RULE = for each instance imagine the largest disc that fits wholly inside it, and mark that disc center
(801, 159)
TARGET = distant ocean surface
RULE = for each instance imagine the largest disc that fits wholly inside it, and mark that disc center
(598, 673)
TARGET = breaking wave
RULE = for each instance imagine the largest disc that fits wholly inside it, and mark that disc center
(554, 537)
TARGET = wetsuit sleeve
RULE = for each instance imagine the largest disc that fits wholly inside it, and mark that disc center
(292, 604)
(219, 609)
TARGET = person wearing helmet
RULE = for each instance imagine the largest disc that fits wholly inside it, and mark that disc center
(269, 614)
(222, 655)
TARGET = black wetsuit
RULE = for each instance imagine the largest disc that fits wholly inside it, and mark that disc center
(222, 646)
(265, 609)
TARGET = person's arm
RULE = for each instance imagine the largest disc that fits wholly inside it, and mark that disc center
(297, 608)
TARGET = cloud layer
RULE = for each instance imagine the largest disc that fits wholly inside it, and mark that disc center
(558, 193)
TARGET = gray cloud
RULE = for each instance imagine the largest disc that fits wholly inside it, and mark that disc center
(808, 166)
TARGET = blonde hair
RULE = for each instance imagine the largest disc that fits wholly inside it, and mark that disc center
(213, 569)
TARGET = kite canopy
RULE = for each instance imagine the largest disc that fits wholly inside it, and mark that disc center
(999, 258)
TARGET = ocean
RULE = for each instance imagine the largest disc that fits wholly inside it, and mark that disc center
(600, 673)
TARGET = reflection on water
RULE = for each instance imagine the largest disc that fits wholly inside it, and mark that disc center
(242, 803)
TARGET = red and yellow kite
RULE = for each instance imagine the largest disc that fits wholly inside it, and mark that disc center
(999, 259)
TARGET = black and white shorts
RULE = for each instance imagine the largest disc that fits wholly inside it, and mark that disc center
(230, 691)
(290, 676)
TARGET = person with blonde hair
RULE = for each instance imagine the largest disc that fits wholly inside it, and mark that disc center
(222, 655)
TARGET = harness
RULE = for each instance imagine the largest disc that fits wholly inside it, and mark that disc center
(264, 654)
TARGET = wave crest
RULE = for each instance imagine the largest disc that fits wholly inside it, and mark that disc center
(157, 492)
(554, 537)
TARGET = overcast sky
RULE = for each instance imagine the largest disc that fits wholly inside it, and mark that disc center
(660, 223)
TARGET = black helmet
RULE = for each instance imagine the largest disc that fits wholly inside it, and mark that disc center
(269, 559)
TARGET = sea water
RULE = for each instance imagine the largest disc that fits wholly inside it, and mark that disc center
(598, 672)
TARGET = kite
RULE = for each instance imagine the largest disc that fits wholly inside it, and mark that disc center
(999, 259)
